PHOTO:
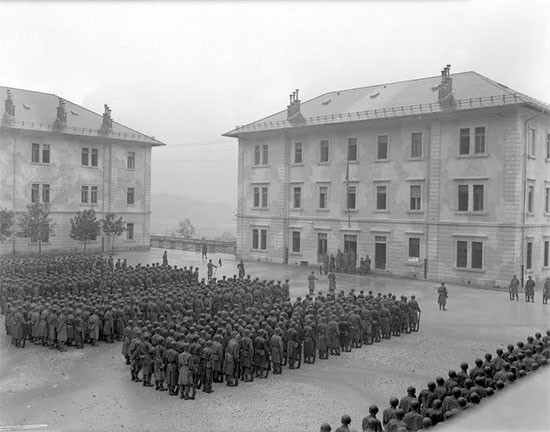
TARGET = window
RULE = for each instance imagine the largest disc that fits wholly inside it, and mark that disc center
(46, 193)
(464, 147)
(478, 197)
(93, 195)
(416, 200)
(260, 197)
(296, 241)
(261, 155)
(462, 254)
(35, 193)
(298, 153)
(548, 146)
(351, 201)
(257, 155)
(352, 149)
(414, 247)
(265, 154)
(477, 255)
(130, 196)
(46, 153)
(84, 194)
(479, 147)
(131, 160)
(297, 197)
(462, 197)
(259, 239)
(546, 252)
(381, 197)
(547, 201)
(35, 154)
(382, 147)
(529, 263)
(416, 145)
(532, 141)
(94, 157)
(324, 151)
(323, 197)
(129, 231)
(322, 244)
(530, 199)
(85, 156)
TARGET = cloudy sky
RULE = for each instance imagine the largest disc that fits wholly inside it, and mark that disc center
(186, 72)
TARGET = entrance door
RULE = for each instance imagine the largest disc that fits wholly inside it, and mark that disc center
(322, 246)
(380, 252)
(350, 245)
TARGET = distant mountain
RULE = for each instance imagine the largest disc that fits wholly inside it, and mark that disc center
(209, 219)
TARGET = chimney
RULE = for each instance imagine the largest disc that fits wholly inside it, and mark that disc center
(107, 120)
(294, 107)
(9, 105)
(446, 86)
(61, 113)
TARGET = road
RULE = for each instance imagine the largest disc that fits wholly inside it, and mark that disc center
(90, 389)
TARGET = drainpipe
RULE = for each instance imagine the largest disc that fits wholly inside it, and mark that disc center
(427, 192)
(13, 191)
(524, 198)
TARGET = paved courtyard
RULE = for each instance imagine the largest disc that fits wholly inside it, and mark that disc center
(90, 389)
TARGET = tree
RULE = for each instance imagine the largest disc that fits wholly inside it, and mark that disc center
(227, 237)
(6, 224)
(85, 226)
(186, 229)
(113, 228)
(36, 224)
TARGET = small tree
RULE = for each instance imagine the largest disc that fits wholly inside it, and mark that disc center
(36, 224)
(113, 228)
(85, 226)
(186, 229)
(6, 224)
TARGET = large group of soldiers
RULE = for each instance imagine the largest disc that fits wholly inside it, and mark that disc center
(447, 397)
(183, 333)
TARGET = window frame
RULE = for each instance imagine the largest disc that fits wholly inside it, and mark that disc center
(352, 144)
(351, 191)
(259, 239)
(475, 198)
(386, 148)
(417, 145)
(462, 144)
(130, 192)
(131, 160)
(532, 142)
(379, 194)
(529, 255)
(85, 156)
(325, 199)
(84, 194)
(480, 144)
(46, 193)
(478, 253)
(94, 194)
(130, 231)
(463, 259)
(411, 198)
(324, 149)
(35, 153)
(297, 197)
(298, 153)
(547, 200)
(35, 193)
(265, 154)
(530, 199)
(94, 157)
(414, 247)
(546, 253)
(296, 242)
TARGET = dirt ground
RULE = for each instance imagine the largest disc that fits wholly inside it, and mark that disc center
(90, 389)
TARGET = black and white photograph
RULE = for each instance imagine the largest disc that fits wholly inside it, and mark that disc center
(279, 216)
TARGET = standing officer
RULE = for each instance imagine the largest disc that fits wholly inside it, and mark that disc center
(530, 290)
(442, 296)
(514, 285)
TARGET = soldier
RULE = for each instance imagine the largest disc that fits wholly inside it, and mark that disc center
(276, 346)
(514, 286)
(414, 314)
(389, 413)
(165, 258)
(171, 360)
(217, 359)
(187, 369)
(146, 355)
(530, 289)
(406, 401)
(546, 291)
(442, 296)
(231, 361)
(333, 336)
(261, 355)
(311, 283)
(331, 282)
(206, 367)
(210, 269)
(370, 422)
(159, 364)
(246, 357)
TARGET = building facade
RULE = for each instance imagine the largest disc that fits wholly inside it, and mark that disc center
(55, 152)
(444, 178)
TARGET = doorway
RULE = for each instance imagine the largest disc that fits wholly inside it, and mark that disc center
(380, 250)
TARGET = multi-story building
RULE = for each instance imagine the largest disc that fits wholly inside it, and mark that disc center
(446, 178)
(55, 152)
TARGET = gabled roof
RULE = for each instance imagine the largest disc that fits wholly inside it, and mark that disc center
(470, 90)
(38, 111)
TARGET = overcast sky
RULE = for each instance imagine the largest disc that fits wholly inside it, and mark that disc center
(187, 72)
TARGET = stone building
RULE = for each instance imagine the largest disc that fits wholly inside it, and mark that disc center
(56, 152)
(446, 178)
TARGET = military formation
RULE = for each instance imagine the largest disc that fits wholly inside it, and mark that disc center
(180, 333)
(447, 397)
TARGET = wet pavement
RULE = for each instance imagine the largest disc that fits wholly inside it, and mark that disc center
(90, 389)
